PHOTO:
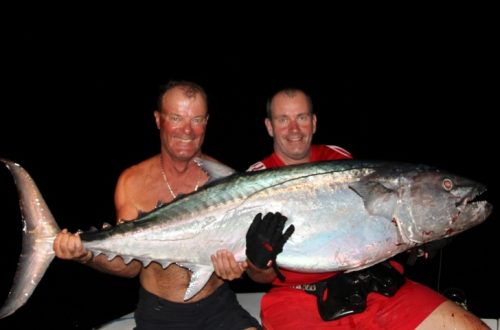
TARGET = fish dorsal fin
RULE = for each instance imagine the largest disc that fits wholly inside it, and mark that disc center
(377, 198)
(213, 169)
(199, 277)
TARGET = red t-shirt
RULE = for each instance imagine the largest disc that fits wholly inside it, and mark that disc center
(318, 153)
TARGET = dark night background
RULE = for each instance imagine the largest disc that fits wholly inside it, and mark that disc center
(77, 109)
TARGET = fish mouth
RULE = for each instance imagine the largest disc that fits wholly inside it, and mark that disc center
(471, 196)
(471, 204)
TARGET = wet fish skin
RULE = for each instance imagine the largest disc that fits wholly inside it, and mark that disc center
(347, 215)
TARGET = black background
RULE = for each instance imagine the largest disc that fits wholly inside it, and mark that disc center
(77, 109)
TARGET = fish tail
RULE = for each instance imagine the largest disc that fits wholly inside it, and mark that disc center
(39, 231)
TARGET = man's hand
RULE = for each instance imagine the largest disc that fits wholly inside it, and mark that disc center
(265, 239)
(69, 246)
(226, 266)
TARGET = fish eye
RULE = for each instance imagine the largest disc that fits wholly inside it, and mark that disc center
(447, 184)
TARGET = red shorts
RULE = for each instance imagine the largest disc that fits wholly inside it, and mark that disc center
(287, 308)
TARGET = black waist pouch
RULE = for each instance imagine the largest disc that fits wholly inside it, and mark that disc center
(345, 293)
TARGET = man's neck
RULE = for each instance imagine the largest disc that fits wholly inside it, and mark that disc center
(176, 165)
(291, 161)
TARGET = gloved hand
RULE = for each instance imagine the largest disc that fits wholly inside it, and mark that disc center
(265, 239)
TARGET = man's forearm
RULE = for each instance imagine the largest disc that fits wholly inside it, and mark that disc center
(260, 275)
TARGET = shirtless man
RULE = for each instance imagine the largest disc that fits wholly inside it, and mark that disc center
(181, 119)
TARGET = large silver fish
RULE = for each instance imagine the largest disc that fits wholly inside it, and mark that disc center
(347, 215)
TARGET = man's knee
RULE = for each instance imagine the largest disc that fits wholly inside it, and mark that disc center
(450, 315)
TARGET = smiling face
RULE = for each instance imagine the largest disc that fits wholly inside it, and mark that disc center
(182, 120)
(292, 125)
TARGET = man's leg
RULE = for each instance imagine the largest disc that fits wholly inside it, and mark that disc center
(449, 315)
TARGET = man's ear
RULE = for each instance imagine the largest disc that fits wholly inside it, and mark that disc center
(314, 120)
(157, 119)
(269, 127)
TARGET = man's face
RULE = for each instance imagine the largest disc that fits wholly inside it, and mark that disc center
(182, 122)
(292, 126)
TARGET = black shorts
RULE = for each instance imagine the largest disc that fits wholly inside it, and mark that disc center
(220, 310)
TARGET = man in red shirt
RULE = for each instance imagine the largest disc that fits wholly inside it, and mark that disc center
(291, 123)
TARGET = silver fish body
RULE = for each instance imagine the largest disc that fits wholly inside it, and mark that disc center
(347, 215)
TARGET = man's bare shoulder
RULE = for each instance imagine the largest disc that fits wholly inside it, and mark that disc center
(140, 179)
(141, 170)
(139, 188)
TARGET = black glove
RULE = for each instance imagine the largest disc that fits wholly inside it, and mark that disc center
(265, 240)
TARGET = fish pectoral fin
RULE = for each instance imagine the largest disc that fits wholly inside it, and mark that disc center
(377, 198)
(199, 277)
(214, 170)
(368, 189)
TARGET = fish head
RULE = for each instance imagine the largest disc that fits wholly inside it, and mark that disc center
(440, 205)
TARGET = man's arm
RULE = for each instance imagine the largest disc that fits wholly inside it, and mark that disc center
(69, 246)
(260, 275)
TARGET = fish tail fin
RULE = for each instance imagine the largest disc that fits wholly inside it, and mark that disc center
(39, 231)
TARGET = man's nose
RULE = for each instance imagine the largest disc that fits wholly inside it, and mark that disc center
(293, 126)
(187, 126)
